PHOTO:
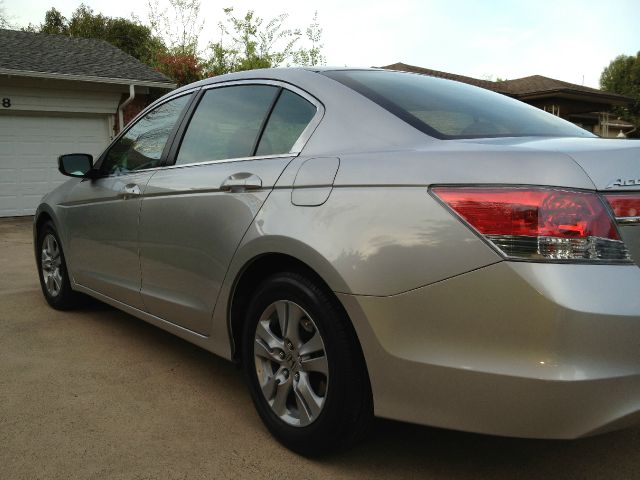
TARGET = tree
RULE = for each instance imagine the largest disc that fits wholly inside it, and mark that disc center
(180, 29)
(4, 18)
(54, 22)
(182, 68)
(312, 56)
(170, 42)
(622, 76)
(128, 35)
(247, 43)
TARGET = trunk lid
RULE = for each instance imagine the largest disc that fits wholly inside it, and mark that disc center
(612, 165)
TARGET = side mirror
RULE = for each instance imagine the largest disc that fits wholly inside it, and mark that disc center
(75, 164)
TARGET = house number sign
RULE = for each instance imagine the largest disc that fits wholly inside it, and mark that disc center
(6, 102)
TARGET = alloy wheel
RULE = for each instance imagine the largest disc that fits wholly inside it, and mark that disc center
(51, 261)
(291, 363)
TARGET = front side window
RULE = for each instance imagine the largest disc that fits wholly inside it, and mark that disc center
(142, 145)
(226, 123)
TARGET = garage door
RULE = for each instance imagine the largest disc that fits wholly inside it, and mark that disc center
(29, 149)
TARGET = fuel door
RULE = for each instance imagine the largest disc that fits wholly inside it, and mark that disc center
(314, 181)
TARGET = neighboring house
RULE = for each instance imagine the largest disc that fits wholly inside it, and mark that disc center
(58, 95)
(584, 106)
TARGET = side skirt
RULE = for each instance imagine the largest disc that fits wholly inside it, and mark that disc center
(184, 333)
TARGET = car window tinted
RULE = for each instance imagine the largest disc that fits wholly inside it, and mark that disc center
(288, 120)
(142, 145)
(226, 123)
(447, 109)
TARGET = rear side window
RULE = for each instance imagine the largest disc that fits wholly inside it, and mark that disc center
(447, 109)
(142, 145)
(289, 118)
(226, 123)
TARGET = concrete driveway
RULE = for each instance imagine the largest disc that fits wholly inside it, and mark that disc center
(95, 393)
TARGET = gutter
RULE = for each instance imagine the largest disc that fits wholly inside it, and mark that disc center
(132, 95)
(87, 78)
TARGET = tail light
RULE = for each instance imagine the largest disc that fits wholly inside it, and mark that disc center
(625, 206)
(529, 223)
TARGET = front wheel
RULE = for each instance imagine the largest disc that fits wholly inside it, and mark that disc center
(52, 268)
(305, 369)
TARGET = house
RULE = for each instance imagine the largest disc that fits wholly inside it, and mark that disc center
(58, 95)
(587, 107)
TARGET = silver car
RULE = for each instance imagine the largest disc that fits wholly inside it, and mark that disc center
(368, 242)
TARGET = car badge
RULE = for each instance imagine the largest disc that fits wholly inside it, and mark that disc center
(619, 182)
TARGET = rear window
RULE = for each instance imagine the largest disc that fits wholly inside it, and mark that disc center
(449, 110)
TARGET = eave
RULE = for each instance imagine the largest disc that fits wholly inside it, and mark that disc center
(87, 78)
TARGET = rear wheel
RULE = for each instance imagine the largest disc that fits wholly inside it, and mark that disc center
(304, 367)
(54, 277)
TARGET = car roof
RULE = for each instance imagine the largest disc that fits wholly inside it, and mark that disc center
(296, 75)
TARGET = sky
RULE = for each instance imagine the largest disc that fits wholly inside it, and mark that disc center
(568, 40)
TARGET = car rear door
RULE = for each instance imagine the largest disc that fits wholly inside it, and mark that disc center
(194, 214)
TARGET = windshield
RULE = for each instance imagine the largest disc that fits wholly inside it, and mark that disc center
(447, 109)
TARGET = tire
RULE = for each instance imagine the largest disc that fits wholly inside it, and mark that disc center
(52, 270)
(309, 385)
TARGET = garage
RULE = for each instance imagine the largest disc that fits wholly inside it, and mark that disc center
(60, 95)
(29, 147)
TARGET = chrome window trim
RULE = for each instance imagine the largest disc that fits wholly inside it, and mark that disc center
(228, 160)
(196, 164)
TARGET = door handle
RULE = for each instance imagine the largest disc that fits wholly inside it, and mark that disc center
(130, 190)
(241, 182)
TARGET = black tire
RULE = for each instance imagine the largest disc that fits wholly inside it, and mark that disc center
(347, 410)
(65, 298)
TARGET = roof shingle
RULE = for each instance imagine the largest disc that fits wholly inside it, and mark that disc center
(60, 54)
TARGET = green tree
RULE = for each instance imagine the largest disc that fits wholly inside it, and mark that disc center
(128, 35)
(309, 57)
(247, 43)
(54, 22)
(622, 76)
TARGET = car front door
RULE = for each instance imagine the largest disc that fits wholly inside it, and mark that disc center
(102, 214)
(194, 213)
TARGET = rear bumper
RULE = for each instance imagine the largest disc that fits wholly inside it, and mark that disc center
(515, 349)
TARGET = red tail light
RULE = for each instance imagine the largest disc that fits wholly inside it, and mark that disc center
(625, 206)
(539, 223)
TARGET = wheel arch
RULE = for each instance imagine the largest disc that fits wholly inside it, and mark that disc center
(258, 268)
(43, 215)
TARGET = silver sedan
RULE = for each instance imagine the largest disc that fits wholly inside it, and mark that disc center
(368, 242)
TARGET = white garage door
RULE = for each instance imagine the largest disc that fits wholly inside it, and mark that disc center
(29, 149)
